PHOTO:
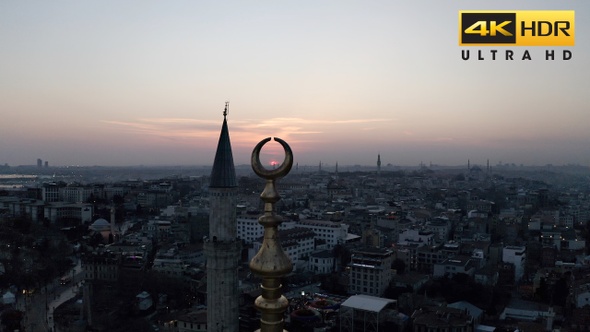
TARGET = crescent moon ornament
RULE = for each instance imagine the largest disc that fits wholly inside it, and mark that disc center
(271, 262)
(274, 174)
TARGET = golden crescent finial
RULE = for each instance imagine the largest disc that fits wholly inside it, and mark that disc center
(274, 174)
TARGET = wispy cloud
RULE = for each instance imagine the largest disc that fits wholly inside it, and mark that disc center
(246, 131)
(444, 139)
(283, 121)
(177, 128)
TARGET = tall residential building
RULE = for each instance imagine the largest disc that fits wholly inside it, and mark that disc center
(222, 248)
(370, 271)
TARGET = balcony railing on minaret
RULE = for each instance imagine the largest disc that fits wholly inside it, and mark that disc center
(271, 263)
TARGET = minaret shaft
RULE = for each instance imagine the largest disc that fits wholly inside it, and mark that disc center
(222, 248)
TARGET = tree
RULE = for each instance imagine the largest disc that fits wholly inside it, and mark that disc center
(11, 319)
(393, 292)
(542, 291)
(337, 253)
(560, 292)
(399, 266)
(345, 257)
(22, 224)
(118, 200)
(95, 240)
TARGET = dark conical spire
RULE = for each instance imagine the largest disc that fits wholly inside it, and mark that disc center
(223, 174)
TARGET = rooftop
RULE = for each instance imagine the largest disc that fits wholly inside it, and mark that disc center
(367, 303)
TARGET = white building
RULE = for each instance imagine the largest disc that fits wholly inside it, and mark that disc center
(517, 256)
(332, 232)
(415, 236)
(79, 211)
(452, 266)
(250, 230)
(297, 243)
(441, 227)
(50, 192)
(160, 229)
(167, 262)
(175, 261)
(75, 194)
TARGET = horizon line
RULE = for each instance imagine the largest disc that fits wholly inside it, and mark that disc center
(327, 165)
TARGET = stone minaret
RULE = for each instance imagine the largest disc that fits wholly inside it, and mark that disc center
(222, 248)
(379, 164)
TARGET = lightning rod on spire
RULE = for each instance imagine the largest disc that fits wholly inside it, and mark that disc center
(226, 110)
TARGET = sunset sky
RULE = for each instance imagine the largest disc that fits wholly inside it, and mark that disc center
(144, 83)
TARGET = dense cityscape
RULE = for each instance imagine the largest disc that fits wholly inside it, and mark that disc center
(467, 248)
(414, 181)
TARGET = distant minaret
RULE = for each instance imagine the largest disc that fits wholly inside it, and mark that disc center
(320, 168)
(379, 164)
(113, 232)
(488, 166)
(336, 173)
(222, 248)
(468, 165)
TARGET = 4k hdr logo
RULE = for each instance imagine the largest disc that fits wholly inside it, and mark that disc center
(516, 28)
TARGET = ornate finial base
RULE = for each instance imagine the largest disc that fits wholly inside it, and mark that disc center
(271, 262)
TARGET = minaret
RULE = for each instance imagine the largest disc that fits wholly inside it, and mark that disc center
(222, 248)
(379, 164)
(113, 220)
(113, 231)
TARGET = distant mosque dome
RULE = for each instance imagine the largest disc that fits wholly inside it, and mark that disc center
(100, 225)
(475, 169)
